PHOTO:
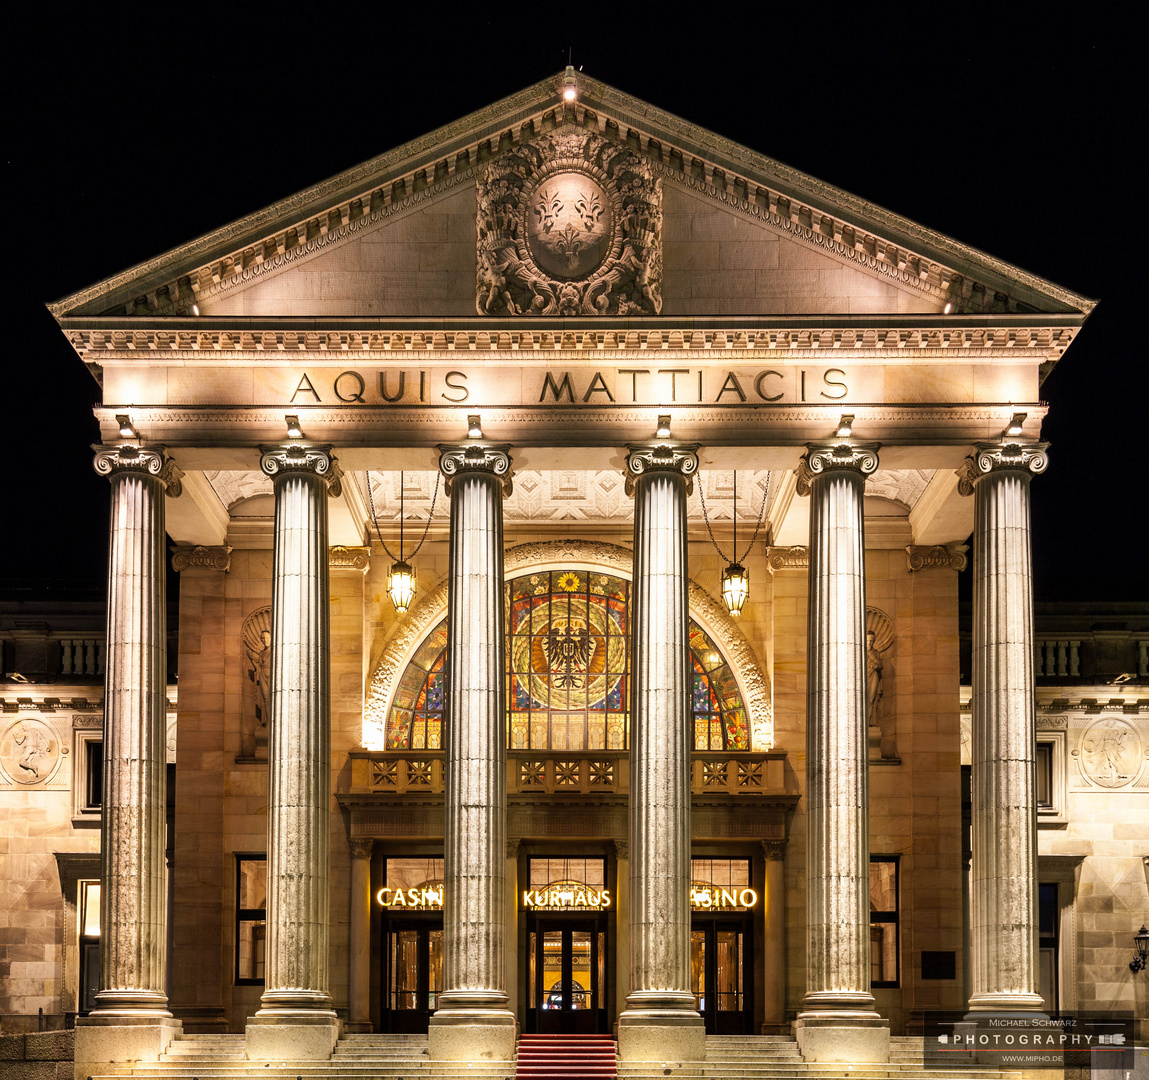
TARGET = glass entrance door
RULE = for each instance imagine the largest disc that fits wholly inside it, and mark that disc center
(718, 962)
(567, 974)
(413, 976)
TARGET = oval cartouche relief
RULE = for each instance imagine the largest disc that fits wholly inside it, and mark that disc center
(29, 752)
(1111, 753)
(569, 224)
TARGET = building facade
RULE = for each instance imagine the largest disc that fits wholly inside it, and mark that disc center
(573, 363)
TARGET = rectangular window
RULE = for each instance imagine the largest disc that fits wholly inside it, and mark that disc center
(89, 926)
(1044, 776)
(1047, 919)
(250, 918)
(884, 920)
(718, 885)
(87, 775)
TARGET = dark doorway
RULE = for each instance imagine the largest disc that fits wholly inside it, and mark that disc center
(720, 955)
(567, 973)
(412, 973)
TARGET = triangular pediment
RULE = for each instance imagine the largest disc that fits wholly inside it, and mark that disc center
(741, 235)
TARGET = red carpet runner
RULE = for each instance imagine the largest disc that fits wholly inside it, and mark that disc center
(566, 1057)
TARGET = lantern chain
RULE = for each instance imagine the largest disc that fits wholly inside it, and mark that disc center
(758, 525)
(426, 526)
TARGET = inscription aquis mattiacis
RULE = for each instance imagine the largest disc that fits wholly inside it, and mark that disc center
(647, 385)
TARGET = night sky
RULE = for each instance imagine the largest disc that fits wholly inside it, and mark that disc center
(127, 134)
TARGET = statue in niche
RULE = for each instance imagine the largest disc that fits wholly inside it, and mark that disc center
(257, 683)
(879, 712)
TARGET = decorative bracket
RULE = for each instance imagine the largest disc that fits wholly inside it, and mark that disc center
(994, 457)
(680, 457)
(455, 460)
(349, 558)
(939, 556)
(283, 460)
(187, 556)
(787, 558)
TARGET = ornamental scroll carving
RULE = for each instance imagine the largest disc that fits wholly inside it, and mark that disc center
(201, 556)
(992, 457)
(709, 613)
(569, 224)
(937, 556)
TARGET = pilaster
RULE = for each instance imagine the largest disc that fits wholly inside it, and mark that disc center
(1003, 889)
(473, 1021)
(660, 1021)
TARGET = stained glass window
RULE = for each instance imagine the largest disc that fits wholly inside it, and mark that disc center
(568, 653)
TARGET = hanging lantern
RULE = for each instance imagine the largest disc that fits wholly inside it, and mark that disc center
(401, 585)
(735, 587)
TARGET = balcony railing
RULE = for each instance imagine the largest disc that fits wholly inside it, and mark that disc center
(567, 772)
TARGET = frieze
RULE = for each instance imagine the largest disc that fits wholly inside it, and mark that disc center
(1051, 723)
(569, 223)
(803, 341)
(937, 556)
(215, 557)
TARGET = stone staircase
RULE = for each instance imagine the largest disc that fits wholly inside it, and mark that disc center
(566, 1057)
(404, 1057)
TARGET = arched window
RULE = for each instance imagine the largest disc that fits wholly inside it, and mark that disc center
(568, 654)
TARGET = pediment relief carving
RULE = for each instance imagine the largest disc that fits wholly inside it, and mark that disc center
(810, 211)
(569, 224)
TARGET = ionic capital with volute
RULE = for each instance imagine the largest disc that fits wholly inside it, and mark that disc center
(284, 460)
(678, 457)
(152, 460)
(994, 457)
(456, 459)
(820, 458)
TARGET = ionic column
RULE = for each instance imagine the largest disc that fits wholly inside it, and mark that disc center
(132, 835)
(296, 995)
(1003, 900)
(359, 961)
(473, 1022)
(660, 1021)
(837, 1021)
(131, 1019)
(774, 1013)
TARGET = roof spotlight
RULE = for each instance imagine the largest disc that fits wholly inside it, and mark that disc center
(663, 429)
(294, 431)
(474, 427)
(1015, 424)
(126, 429)
(845, 426)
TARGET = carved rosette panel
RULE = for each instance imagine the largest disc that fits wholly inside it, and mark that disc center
(569, 224)
(709, 613)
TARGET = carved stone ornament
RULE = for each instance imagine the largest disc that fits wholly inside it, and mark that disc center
(361, 848)
(349, 558)
(774, 849)
(938, 556)
(818, 459)
(681, 457)
(513, 845)
(621, 848)
(151, 459)
(787, 558)
(280, 460)
(1110, 753)
(30, 752)
(216, 557)
(991, 457)
(454, 460)
(569, 224)
(256, 635)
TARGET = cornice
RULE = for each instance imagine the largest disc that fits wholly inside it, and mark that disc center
(813, 212)
(797, 337)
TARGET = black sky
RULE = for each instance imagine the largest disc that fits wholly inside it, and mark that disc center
(131, 129)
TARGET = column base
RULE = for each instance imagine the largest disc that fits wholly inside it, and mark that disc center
(103, 1041)
(828, 1038)
(661, 1026)
(1006, 1004)
(460, 1032)
(291, 1035)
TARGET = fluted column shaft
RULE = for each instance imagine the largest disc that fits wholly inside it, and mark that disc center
(660, 737)
(475, 739)
(1003, 949)
(299, 736)
(133, 902)
(837, 774)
